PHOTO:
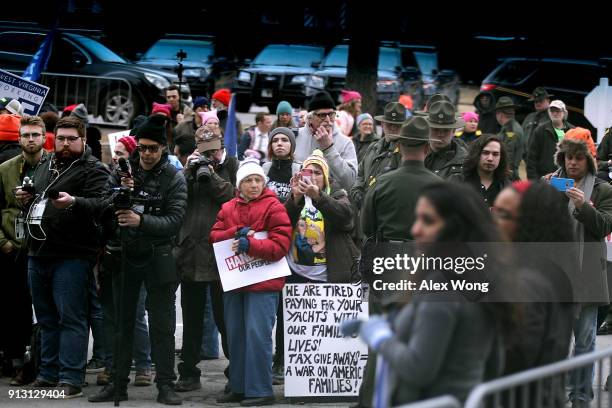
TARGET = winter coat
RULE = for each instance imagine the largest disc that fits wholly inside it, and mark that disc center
(194, 255)
(388, 209)
(362, 146)
(447, 161)
(186, 128)
(340, 156)
(11, 175)
(512, 136)
(71, 233)
(166, 185)
(473, 180)
(338, 215)
(265, 213)
(542, 148)
(8, 150)
(487, 122)
(438, 348)
(530, 123)
(604, 150)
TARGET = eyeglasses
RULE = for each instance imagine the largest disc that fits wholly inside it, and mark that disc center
(34, 135)
(70, 139)
(151, 148)
(323, 115)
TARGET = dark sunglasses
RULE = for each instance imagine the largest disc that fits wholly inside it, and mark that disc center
(151, 148)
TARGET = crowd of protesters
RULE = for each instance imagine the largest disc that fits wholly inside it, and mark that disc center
(321, 183)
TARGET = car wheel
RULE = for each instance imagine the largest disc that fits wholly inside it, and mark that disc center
(243, 103)
(118, 108)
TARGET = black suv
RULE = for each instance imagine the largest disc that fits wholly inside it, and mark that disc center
(568, 80)
(82, 69)
(279, 72)
(203, 70)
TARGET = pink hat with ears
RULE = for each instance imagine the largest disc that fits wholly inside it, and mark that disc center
(206, 116)
(348, 96)
(467, 116)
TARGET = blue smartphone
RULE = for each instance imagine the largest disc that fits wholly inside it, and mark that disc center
(561, 184)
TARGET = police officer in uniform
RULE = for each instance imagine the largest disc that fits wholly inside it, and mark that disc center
(146, 233)
(388, 212)
(541, 101)
(447, 152)
(511, 132)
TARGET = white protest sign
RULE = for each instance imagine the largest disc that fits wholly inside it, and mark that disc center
(319, 361)
(30, 94)
(114, 137)
(598, 107)
(238, 271)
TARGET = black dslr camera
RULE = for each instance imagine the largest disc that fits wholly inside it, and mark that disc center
(27, 185)
(200, 168)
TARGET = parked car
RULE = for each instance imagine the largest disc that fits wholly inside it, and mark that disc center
(278, 72)
(568, 80)
(435, 80)
(82, 69)
(203, 70)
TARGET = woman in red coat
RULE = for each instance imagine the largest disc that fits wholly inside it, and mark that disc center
(250, 311)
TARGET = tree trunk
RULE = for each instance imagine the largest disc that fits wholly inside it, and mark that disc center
(362, 69)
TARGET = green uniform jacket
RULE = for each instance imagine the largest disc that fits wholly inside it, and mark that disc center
(512, 135)
(10, 177)
(530, 123)
(449, 160)
(388, 211)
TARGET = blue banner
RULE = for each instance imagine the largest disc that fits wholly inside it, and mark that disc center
(39, 61)
(231, 135)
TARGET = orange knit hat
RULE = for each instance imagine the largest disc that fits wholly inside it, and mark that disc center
(9, 127)
(583, 134)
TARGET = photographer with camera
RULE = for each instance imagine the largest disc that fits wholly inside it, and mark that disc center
(16, 174)
(63, 245)
(211, 177)
(149, 210)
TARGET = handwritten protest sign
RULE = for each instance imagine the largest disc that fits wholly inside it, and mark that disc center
(319, 361)
(237, 271)
(30, 94)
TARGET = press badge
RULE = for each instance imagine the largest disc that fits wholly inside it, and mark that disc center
(19, 228)
(37, 212)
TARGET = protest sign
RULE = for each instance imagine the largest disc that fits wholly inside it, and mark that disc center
(114, 137)
(237, 271)
(319, 361)
(30, 94)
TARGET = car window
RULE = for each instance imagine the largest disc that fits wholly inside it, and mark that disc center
(21, 43)
(99, 50)
(513, 72)
(337, 57)
(167, 49)
(389, 59)
(62, 56)
(288, 56)
(427, 61)
(576, 77)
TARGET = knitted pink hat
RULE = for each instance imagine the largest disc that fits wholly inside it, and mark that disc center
(207, 116)
(467, 116)
(348, 96)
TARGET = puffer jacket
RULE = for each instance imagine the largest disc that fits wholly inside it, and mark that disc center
(338, 215)
(265, 213)
(161, 225)
(195, 258)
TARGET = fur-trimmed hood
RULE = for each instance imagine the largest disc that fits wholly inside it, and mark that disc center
(574, 146)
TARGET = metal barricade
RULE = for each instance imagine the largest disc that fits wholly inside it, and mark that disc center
(109, 100)
(445, 401)
(545, 386)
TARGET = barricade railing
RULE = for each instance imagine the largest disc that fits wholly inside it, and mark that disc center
(546, 386)
(541, 387)
(110, 100)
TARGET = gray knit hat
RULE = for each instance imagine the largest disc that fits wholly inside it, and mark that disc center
(285, 131)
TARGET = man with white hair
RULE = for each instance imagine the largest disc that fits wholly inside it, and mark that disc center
(543, 143)
(321, 133)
